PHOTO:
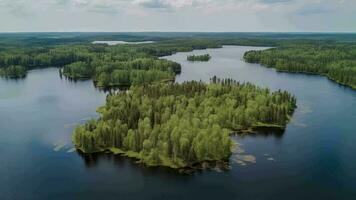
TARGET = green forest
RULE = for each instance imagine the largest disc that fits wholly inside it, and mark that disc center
(331, 55)
(119, 65)
(337, 62)
(178, 125)
(205, 57)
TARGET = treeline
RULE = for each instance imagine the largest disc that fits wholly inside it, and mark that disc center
(13, 71)
(117, 65)
(178, 125)
(337, 62)
(123, 73)
(205, 57)
(259, 39)
(106, 65)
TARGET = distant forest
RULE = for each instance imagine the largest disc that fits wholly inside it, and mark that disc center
(332, 55)
(108, 66)
(337, 62)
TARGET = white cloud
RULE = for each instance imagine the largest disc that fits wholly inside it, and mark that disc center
(179, 15)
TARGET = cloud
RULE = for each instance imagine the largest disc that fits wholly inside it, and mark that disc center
(275, 1)
(321, 7)
(169, 4)
(16, 8)
(62, 2)
(210, 5)
(312, 10)
(154, 4)
(191, 15)
(112, 6)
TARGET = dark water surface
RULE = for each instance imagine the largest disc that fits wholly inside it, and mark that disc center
(313, 158)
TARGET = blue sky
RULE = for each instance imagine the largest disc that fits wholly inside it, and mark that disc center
(178, 15)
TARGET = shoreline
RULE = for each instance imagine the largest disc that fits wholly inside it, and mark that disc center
(191, 168)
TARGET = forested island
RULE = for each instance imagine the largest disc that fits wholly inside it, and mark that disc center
(337, 62)
(203, 58)
(179, 125)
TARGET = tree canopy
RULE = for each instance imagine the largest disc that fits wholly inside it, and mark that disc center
(337, 62)
(205, 57)
(119, 65)
(134, 64)
(178, 125)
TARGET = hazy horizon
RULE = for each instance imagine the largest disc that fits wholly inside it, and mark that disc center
(153, 31)
(178, 16)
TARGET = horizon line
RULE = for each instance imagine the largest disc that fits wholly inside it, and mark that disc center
(335, 32)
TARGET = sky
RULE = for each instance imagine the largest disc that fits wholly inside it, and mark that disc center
(178, 15)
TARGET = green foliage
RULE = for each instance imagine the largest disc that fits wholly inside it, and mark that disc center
(77, 70)
(13, 71)
(125, 65)
(205, 57)
(337, 62)
(119, 65)
(177, 125)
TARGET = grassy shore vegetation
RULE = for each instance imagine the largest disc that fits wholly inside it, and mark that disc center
(179, 125)
(337, 62)
(205, 57)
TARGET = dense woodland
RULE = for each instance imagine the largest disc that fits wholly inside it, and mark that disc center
(205, 57)
(120, 65)
(332, 55)
(337, 62)
(178, 125)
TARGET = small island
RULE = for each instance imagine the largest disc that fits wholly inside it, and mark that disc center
(202, 58)
(182, 125)
(116, 74)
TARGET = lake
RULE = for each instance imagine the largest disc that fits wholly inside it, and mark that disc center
(121, 42)
(313, 158)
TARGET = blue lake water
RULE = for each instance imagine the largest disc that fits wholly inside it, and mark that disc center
(313, 158)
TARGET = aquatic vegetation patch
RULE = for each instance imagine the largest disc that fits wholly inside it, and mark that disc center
(271, 159)
(71, 150)
(59, 145)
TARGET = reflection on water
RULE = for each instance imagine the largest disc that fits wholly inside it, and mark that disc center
(102, 89)
(73, 80)
(277, 133)
(93, 160)
(13, 79)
